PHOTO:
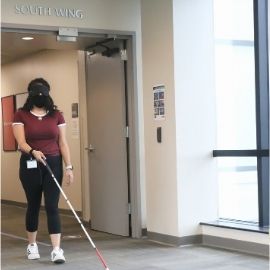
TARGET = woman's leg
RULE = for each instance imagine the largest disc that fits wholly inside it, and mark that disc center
(56, 240)
(32, 236)
(51, 197)
(31, 182)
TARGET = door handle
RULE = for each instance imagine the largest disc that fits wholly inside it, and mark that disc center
(90, 148)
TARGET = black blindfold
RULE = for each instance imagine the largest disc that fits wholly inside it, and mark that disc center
(39, 89)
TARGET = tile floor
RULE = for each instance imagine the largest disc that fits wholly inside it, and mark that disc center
(120, 253)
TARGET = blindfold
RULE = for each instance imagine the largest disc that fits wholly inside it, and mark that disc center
(39, 89)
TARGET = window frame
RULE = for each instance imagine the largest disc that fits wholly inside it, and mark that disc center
(262, 105)
(260, 8)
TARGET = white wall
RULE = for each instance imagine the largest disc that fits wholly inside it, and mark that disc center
(98, 14)
(178, 51)
(60, 69)
(195, 113)
(160, 158)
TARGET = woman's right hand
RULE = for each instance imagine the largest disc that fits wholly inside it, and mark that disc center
(39, 156)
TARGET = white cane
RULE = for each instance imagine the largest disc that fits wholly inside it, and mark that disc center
(78, 219)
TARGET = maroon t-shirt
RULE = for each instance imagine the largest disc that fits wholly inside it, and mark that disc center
(41, 133)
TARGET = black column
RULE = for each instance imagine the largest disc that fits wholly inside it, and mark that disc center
(262, 105)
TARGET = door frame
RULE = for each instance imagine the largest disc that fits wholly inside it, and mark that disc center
(133, 157)
(133, 117)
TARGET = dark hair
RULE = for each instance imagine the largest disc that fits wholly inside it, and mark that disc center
(49, 104)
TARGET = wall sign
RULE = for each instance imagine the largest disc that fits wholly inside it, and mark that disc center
(159, 106)
(49, 11)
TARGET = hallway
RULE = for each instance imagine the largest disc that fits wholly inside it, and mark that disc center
(119, 252)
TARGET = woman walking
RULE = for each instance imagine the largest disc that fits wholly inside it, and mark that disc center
(39, 129)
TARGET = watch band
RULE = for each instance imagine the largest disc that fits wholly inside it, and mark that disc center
(69, 167)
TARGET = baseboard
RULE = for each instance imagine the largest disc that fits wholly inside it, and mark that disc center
(24, 205)
(237, 245)
(174, 240)
(212, 241)
(144, 232)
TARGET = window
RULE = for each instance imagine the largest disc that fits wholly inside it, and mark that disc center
(242, 114)
(238, 189)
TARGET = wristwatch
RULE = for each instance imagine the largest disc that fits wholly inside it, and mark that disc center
(69, 167)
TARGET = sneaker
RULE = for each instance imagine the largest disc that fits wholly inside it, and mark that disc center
(57, 255)
(32, 252)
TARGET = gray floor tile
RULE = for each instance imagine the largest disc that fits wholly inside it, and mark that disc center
(121, 253)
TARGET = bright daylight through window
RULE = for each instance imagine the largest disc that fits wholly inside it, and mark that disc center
(236, 111)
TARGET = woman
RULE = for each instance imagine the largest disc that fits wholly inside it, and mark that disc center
(39, 129)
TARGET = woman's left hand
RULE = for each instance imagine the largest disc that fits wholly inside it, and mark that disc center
(69, 178)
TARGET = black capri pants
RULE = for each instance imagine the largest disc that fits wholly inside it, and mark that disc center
(36, 181)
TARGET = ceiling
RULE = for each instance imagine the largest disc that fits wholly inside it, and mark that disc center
(13, 47)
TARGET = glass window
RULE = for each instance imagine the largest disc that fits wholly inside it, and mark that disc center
(235, 86)
(234, 19)
(236, 108)
(238, 189)
(235, 74)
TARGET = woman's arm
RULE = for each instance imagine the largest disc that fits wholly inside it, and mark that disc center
(18, 131)
(64, 149)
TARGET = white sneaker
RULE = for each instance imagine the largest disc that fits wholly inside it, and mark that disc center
(32, 252)
(57, 255)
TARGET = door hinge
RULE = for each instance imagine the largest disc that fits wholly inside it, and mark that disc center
(127, 132)
(123, 55)
(129, 208)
